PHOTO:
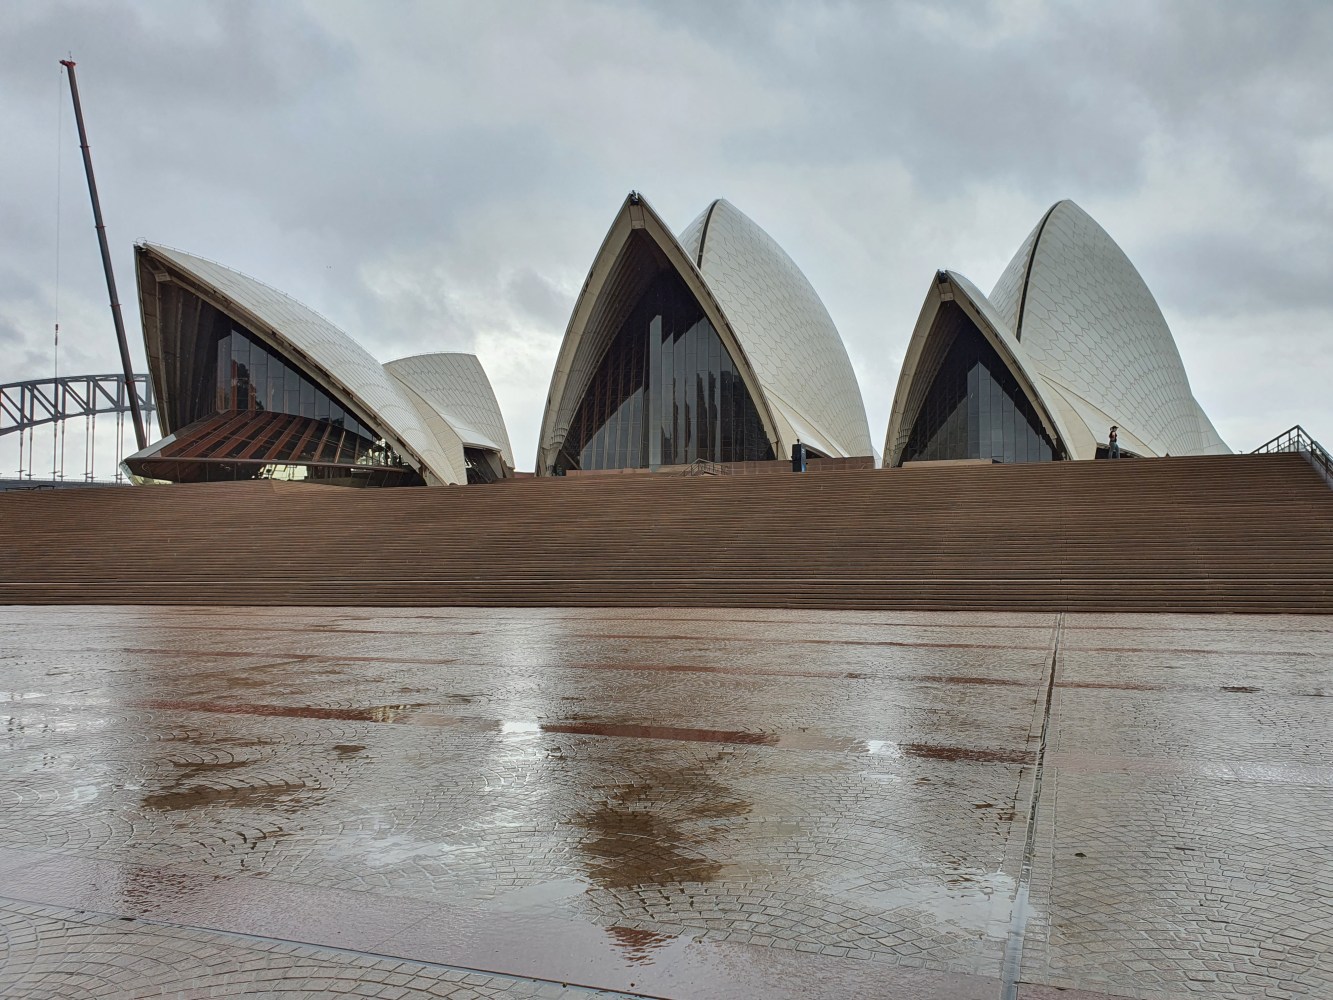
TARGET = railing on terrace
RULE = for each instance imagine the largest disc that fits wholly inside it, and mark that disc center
(1296, 439)
(703, 467)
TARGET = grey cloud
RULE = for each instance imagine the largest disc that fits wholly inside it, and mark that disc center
(438, 176)
(536, 296)
(1225, 278)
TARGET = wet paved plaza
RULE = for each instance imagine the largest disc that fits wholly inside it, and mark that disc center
(479, 803)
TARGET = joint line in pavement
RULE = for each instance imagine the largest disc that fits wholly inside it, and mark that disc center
(1018, 917)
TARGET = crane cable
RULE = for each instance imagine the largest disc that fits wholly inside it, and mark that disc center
(60, 159)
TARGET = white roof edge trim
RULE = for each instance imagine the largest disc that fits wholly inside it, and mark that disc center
(636, 214)
(957, 288)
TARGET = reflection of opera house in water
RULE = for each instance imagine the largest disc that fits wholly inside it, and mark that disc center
(709, 347)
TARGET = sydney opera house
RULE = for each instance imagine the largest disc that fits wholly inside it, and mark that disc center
(708, 346)
(1069, 343)
(252, 384)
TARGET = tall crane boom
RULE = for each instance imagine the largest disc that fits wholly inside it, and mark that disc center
(106, 257)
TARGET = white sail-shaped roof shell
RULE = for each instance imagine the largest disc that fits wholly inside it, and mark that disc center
(1085, 339)
(777, 331)
(456, 386)
(1092, 332)
(346, 370)
(798, 357)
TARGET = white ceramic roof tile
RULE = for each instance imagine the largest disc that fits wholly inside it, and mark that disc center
(1089, 324)
(786, 333)
(350, 368)
(457, 387)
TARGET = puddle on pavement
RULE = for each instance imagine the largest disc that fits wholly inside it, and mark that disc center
(199, 784)
(201, 796)
(973, 901)
(638, 945)
(971, 755)
(373, 713)
(414, 714)
(948, 679)
(540, 895)
(143, 888)
(660, 733)
(656, 830)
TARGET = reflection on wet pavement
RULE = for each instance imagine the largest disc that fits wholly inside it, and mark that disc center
(679, 804)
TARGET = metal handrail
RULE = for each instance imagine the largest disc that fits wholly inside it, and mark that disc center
(703, 467)
(1296, 439)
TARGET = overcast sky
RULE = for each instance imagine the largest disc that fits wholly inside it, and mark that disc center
(438, 176)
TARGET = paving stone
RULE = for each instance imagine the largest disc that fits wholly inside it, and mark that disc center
(638, 794)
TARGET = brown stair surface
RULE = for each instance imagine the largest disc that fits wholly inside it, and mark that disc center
(1217, 533)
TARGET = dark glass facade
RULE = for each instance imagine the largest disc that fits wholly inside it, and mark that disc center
(665, 393)
(241, 411)
(975, 408)
(251, 376)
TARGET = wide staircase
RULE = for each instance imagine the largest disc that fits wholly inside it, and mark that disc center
(1224, 533)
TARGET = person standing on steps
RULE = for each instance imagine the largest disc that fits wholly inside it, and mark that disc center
(1113, 444)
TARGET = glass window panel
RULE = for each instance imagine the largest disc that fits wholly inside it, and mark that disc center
(291, 392)
(678, 401)
(224, 372)
(996, 418)
(259, 379)
(240, 359)
(969, 449)
(634, 459)
(666, 404)
(658, 394)
(1011, 429)
(1000, 421)
(653, 433)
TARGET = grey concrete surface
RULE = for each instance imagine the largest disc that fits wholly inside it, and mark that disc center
(451, 802)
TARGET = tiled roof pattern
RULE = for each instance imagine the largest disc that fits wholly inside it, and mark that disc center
(354, 372)
(457, 387)
(786, 333)
(1090, 324)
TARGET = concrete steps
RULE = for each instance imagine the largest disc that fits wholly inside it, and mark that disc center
(1217, 533)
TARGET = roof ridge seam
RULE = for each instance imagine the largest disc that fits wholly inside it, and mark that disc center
(1027, 271)
(703, 235)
